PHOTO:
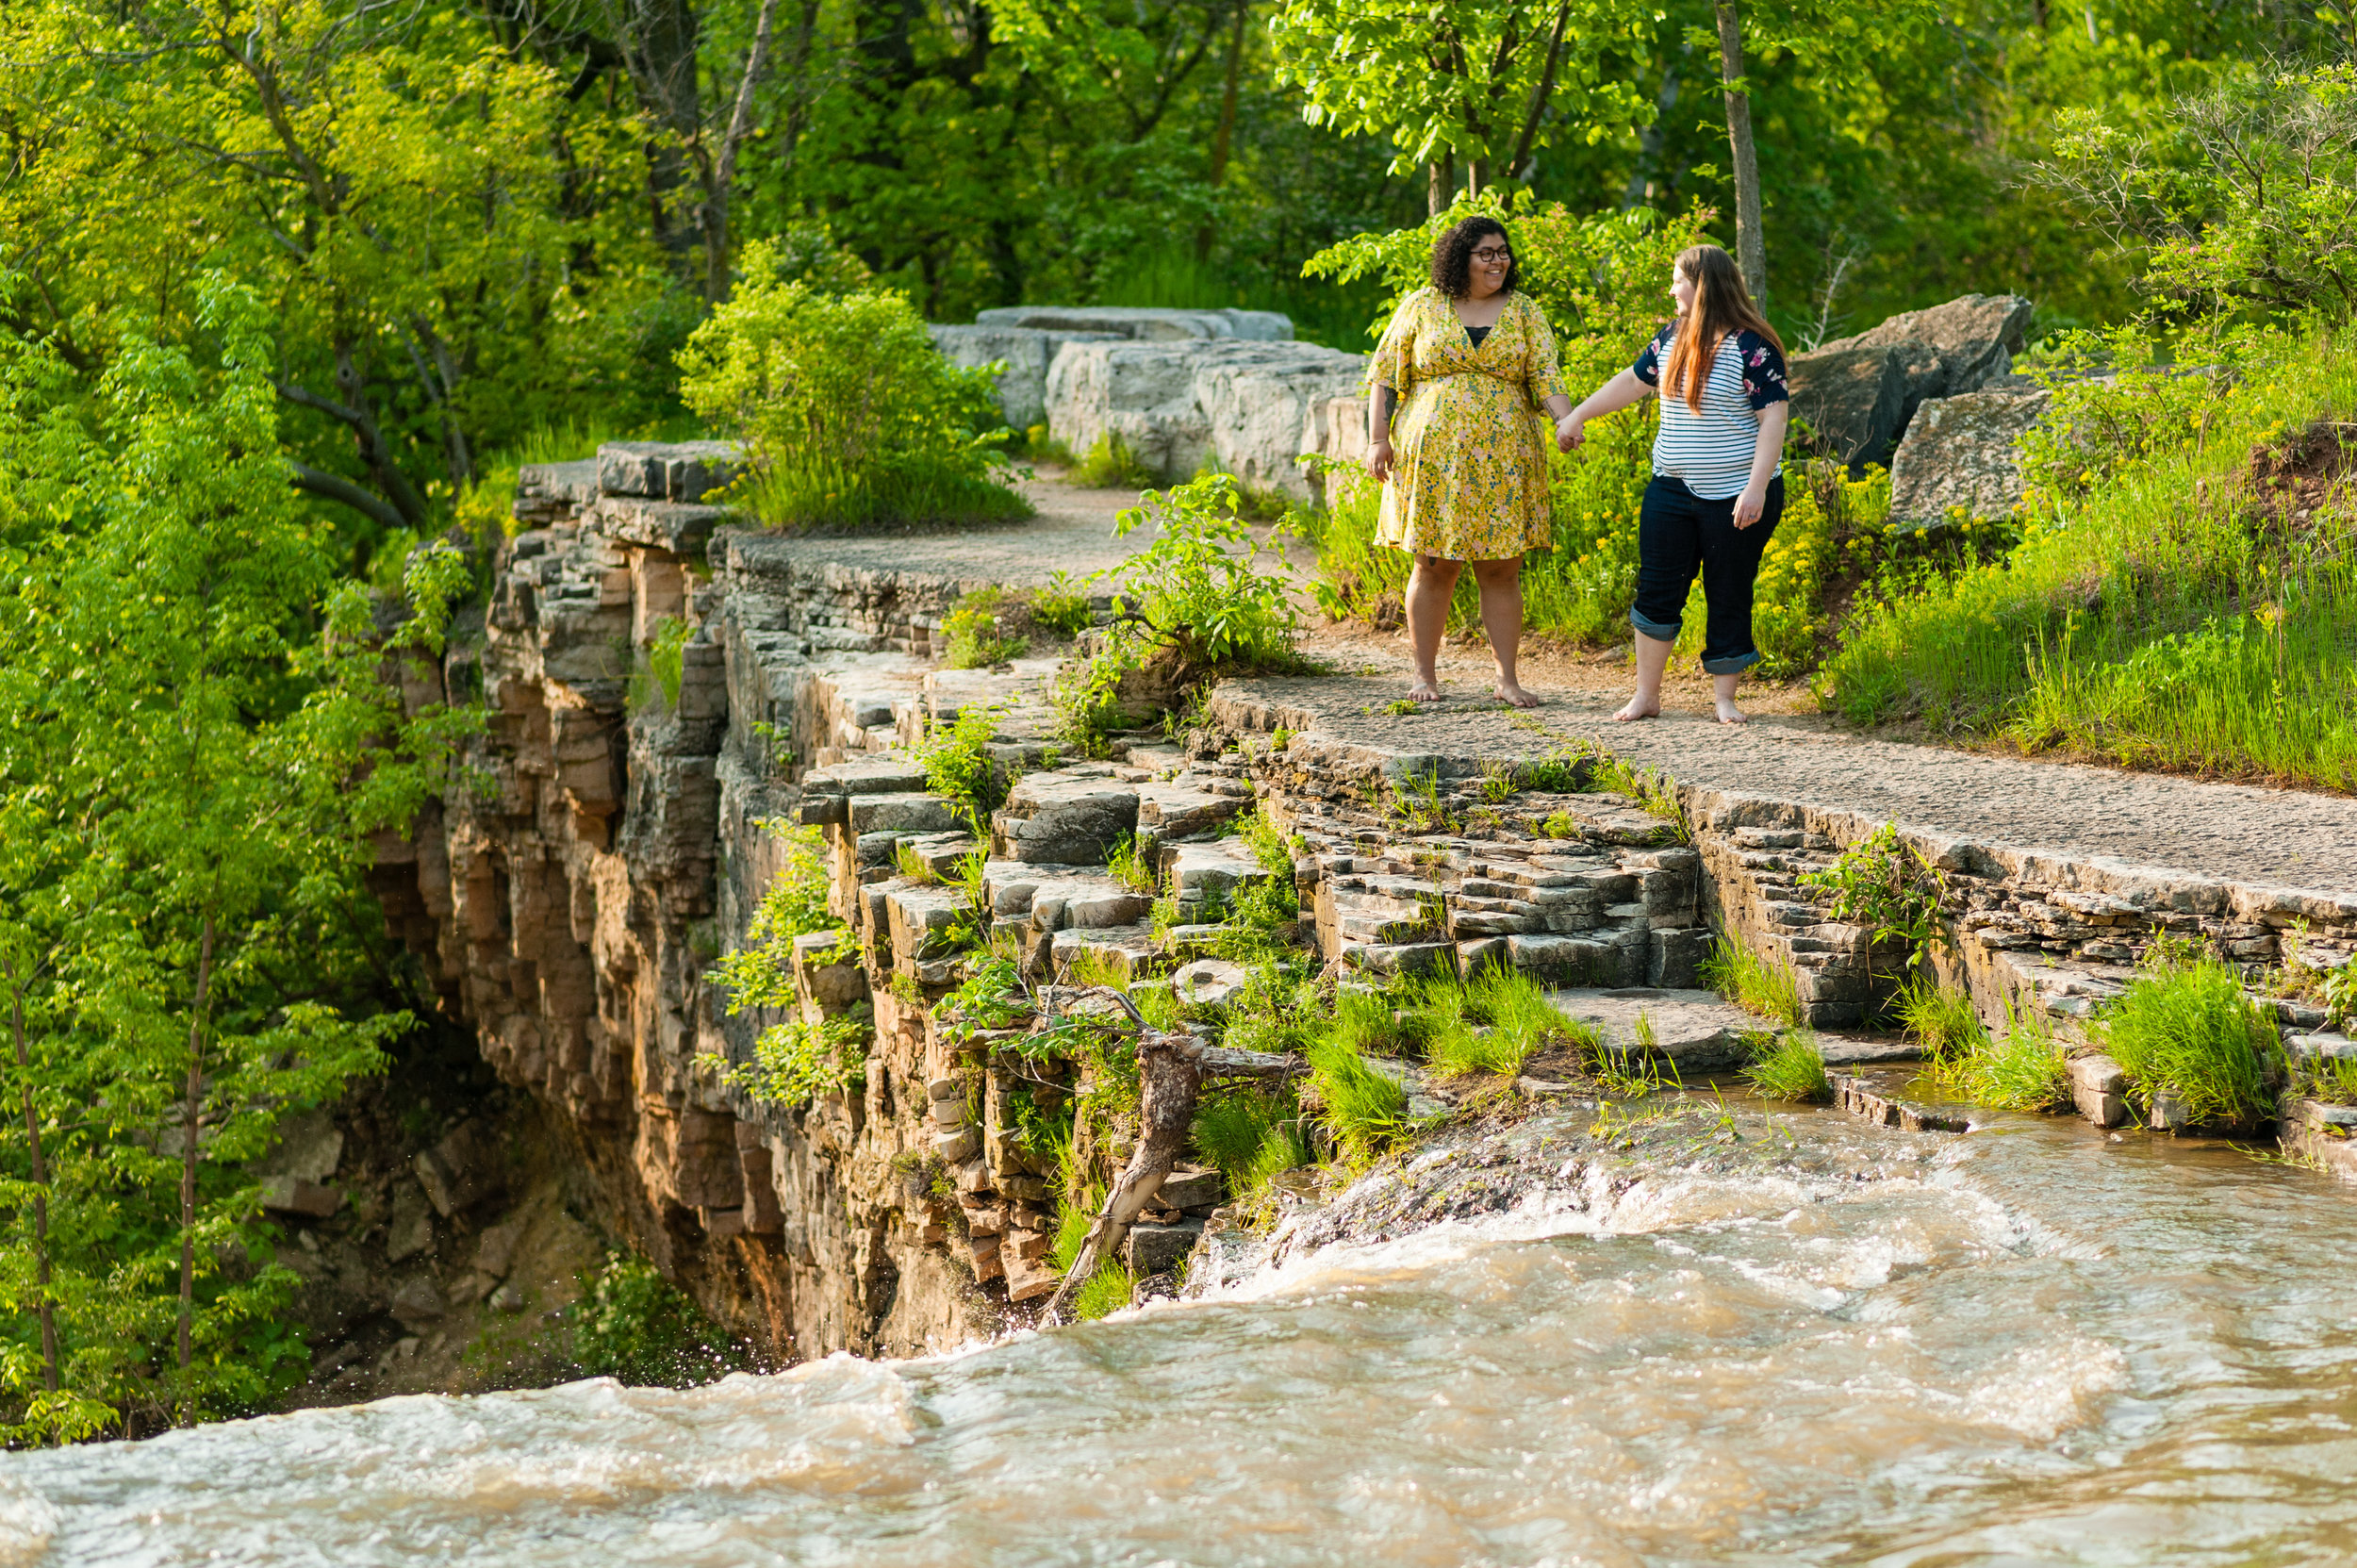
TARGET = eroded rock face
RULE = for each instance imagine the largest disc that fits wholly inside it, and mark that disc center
(1960, 457)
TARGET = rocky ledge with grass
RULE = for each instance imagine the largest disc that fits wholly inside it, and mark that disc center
(812, 942)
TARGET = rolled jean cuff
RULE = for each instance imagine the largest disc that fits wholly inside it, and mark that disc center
(1658, 631)
(1734, 664)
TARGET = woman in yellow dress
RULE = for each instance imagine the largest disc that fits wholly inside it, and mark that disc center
(1466, 364)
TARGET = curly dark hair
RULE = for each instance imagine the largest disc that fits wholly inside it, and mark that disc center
(1451, 257)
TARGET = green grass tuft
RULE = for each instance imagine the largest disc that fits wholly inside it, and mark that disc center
(1365, 1110)
(1107, 1292)
(1753, 981)
(1942, 1018)
(1789, 1066)
(2021, 1068)
(2186, 1028)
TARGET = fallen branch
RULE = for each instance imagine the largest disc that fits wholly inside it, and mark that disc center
(1171, 1070)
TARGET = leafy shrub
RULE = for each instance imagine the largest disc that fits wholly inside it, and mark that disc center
(956, 762)
(850, 416)
(634, 1325)
(761, 973)
(1061, 607)
(796, 1061)
(1789, 1067)
(1206, 597)
(1884, 884)
(2186, 1028)
(2261, 217)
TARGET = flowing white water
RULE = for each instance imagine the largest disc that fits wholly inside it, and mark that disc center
(2028, 1344)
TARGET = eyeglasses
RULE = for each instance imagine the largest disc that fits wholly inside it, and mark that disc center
(1492, 253)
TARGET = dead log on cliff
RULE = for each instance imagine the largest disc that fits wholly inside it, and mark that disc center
(1171, 1069)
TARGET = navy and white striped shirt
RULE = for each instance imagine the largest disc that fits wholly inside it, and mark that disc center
(1711, 452)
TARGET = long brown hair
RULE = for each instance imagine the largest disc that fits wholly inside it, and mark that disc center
(1722, 305)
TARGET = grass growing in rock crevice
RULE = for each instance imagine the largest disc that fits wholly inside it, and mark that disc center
(1753, 981)
(2187, 1029)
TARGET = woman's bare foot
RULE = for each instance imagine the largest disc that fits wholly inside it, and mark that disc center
(1729, 713)
(1424, 691)
(1514, 696)
(1635, 709)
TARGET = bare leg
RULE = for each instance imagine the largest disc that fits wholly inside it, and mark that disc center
(1723, 693)
(1653, 657)
(1428, 590)
(1501, 584)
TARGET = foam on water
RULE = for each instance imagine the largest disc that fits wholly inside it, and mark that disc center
(1868, 1347)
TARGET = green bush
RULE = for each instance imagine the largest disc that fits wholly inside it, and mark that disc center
(1061, 607)
(956, 762)
(633, 1325)
(2186, 1028)
(850, 416)
(796, 1061)
(1206, 598)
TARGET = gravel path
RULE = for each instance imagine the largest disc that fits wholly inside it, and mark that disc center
(2234, 833)
(2239, 833)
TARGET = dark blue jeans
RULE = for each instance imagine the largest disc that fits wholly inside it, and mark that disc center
(1679, 532)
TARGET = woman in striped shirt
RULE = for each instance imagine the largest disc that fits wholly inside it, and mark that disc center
(1715, 493)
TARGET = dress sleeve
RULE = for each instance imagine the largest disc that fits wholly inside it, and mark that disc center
(1542, 376)
(1648, 366)
(1394, 363)
(1763, 372)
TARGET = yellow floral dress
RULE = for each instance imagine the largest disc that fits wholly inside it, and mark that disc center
(1468, 475)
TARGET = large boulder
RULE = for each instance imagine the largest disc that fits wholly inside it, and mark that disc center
(1024, 352)
(1852, 398)
(1949, 349)
(1959, 455)
(1144, 325)
(1251, 408)
(1845, 390)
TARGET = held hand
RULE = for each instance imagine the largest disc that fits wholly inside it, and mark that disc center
(1570, 431)
(1379, 461)
(1749, 505)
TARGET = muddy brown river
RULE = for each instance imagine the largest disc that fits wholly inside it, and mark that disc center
(1810, 1342)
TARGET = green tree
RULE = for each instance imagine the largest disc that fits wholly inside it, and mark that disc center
(189, 771)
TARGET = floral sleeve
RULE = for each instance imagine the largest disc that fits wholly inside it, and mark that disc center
(1394, 364)
(1648, 366)
(1542, 374)
(1763, 372)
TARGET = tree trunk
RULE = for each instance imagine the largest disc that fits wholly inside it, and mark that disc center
(190, 1110)
(1750, 250)
(722, 194)
(1440, 184)
(41, 1194)
(1224, 136)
